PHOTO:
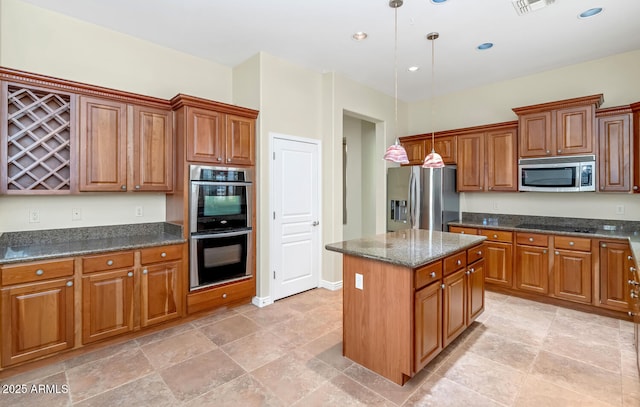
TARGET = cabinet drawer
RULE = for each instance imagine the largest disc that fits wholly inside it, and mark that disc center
(455, 262)
(427, 274)
(497, 235)
(463, 230)
(111, 261)
(532, 239)
(572, 243)
(216, 297)
(36, 271)
(475, 253)
(162, 253)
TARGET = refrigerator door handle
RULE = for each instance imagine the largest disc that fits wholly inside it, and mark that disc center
(410, 202)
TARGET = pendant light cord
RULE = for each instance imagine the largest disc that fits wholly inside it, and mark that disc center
(395, 69)
(433, 92)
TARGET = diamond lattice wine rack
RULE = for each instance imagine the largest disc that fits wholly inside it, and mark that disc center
(39, 133)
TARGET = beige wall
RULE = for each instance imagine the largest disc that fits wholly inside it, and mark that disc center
(616, 77)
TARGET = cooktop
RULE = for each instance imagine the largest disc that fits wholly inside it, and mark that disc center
(576, 229)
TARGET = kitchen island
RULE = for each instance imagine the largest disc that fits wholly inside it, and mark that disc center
(406, 296)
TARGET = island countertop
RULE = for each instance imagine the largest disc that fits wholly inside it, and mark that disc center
(411, 248)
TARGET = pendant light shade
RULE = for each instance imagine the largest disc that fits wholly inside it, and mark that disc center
(395, 152)
(433, 159)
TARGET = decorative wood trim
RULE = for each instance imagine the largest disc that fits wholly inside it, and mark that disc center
(49, 82)
(181, 100)
(635, 106)
(459, 132)
(596, 100)
(614, 111)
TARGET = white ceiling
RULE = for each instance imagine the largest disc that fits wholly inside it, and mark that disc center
(317, 34)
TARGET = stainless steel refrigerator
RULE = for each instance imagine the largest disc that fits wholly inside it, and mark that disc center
(421, 198)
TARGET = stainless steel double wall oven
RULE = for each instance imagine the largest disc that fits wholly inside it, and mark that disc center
(220, 214)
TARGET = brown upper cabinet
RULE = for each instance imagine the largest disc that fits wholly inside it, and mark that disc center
(487, 159)
(635, 148)
(420, 145)
(214, 132)
(614, 149)
(564, 127)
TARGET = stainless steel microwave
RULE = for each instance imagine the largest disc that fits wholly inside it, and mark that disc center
(558, 174)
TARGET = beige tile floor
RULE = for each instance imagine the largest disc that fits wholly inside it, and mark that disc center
(519, 353)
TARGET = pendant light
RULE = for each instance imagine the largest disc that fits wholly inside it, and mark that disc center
(396, 153)
(433, 159)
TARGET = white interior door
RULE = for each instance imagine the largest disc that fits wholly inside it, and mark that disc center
(296, 243)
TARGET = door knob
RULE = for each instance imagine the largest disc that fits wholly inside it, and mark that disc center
(315, 223)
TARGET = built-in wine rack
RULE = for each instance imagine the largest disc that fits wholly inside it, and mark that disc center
(39, 133)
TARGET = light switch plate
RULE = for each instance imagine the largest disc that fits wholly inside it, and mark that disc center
(359, 281)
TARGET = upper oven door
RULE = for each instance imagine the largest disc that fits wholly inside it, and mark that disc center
(550, 177)
(220, 206)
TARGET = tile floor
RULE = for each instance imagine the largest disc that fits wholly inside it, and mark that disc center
(519, 353)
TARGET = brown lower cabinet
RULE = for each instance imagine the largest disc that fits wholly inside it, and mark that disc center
(616, 275)
(118, 292)
(532, 263)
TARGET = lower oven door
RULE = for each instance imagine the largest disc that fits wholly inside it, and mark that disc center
(219, 258)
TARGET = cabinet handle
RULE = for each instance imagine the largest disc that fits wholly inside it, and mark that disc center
(631, 314)
(109, 262)
(458, 262)
(224, 295)
(432, 274)
(495, 236)
(69, 284)
(219, 158)
(130, 274)
(145, 271)
(632, 269)
(557, 253)
(137, 186)
(123, 187)
(544, 251)
(633, 294)
(603, 245)
(633, 283)
(442, 286)
(479, 252)
(629, 257)
(228, 160)
(468, 272)
(531, 239)
(559, 151)
(39, 272)
(163, 254)
(473, 270)
(571, 243)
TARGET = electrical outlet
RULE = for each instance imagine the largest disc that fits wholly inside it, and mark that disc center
(76, 214)
(619, 209)
(139, 211)
(495, 205)
(359, 281)
(34, 216)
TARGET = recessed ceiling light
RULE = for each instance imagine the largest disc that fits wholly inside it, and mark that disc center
(413, 68)
(438, 1)
(485, 45)
(590, 13)
(359, 36)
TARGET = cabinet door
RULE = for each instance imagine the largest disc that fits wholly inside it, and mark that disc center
(502, 160)
(470, 163)
(107, 304)
(454, 306)
(160, 296)
(615, 262)
(574, 130)
(614, 141)
(240, 139)
(205, 135)
(535, 131)
(37, 320)
(499, 263)
(475, 290)
(445, 146)
(428, 325)
(416, 151)
(103, 145)
(152, 149)
(532, 269)
(572, 275)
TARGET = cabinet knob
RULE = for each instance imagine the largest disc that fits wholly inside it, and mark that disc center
(137, 186)
(39, 272)
(473, 270)
(603, 245)
(631, 314)
(458, 262)
(557, 253)
(633, 283)
(548, 152)
(559, 151)
(130, 274)
(490, 188)
(163, 254)
(635, 187)
(571, 243)
(145, 271)
(224, 295)
(109, 262)
(468, 272)
(629, 257)
(632, 269)
(69, 284)
(462, 232)
(531, 239)
(633, 294)
(123, 187)
(432, 274)
(219, 158)
(228, 160)
(442, 286)
(479, 252)
(544, 251)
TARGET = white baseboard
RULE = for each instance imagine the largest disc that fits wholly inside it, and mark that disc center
(261, 302)
(331, 285)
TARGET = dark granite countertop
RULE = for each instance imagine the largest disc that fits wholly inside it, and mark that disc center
(412, 248)
(55, 243)
(592, 228)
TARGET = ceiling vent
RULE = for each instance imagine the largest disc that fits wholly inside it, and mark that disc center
(527, 6)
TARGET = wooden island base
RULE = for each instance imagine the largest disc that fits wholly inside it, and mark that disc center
(397, 318)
